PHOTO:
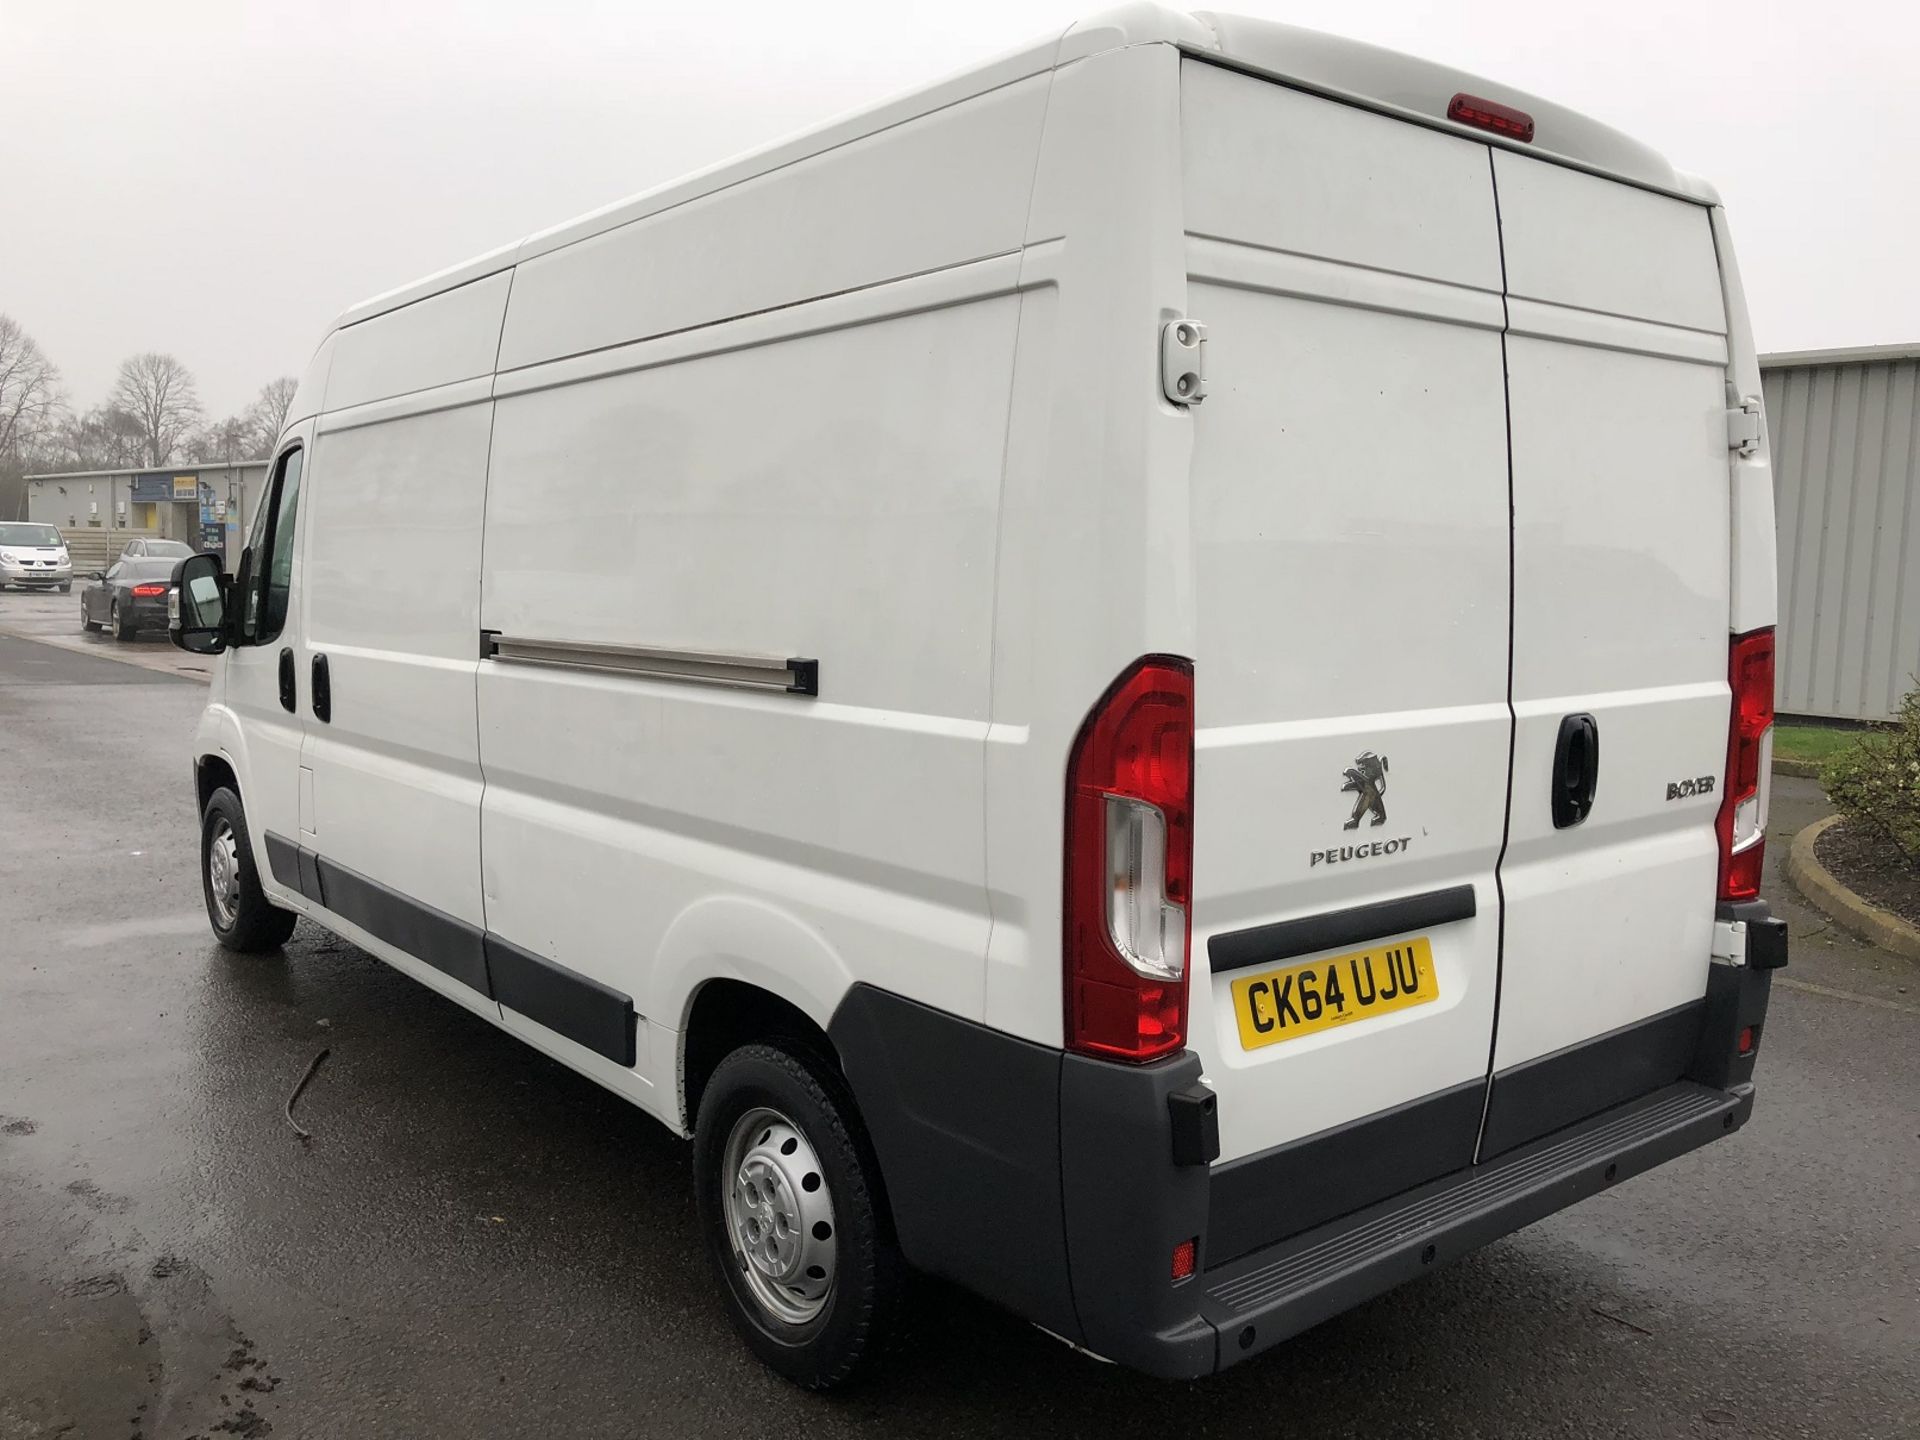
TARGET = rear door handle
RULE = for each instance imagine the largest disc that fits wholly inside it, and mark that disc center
(289, 701)
(1576, 769)
(322, 680)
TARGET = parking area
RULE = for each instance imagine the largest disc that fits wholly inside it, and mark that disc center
(478, 1242)
(54, 619)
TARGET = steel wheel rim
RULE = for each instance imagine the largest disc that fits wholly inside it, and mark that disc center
(223, 873)
(782, 1232)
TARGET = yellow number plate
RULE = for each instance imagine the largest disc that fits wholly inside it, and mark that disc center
(1302, 999)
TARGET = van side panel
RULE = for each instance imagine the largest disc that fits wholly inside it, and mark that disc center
(444, 339)
(939, 190)
(1095, 567)
(392, 579)
(809, 489)
(1755, 601)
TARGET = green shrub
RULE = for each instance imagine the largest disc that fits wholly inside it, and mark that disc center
(1876, 780)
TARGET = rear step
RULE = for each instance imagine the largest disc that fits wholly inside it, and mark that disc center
(1263, 1298)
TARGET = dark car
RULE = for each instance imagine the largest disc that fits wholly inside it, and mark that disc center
(129, 598)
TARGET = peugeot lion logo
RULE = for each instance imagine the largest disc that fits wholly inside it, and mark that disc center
(1367, 783)
(1367, 778)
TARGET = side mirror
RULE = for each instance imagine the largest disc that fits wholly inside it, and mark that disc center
(197, 605)
(96, 574)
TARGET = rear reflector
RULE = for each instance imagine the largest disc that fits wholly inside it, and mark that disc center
(1746, 1040)
(1129, 853)
(1490, 115)
(1183, 1255)
(149, 589)
(1743, 805)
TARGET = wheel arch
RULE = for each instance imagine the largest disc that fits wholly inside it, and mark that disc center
(727, 964)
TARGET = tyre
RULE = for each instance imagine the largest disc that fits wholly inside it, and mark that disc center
(243, 919)
(88, 624)
(793, 1214)
(122, 629)
(66, 587)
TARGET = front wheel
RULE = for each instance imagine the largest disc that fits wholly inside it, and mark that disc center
(243, 919)
(66, 586)
(795, 1223)
(87, 622)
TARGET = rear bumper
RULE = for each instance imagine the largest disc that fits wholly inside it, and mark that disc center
(1275, 1293)
(146, 614)
(1060, 1186)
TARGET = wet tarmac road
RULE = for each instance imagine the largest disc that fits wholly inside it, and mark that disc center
(478, 1243)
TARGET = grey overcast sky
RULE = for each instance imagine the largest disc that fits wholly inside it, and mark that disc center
(219, 178)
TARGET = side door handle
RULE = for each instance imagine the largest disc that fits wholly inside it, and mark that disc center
(1576, 769)
(289, 701)
(322, 684)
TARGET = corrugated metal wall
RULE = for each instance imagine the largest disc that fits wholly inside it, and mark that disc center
(1846, 467)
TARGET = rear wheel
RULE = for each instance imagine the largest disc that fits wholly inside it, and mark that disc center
(243, 919)
(792, 1212)
(122, 628)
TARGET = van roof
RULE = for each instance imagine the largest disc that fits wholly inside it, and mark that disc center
(1349, 70)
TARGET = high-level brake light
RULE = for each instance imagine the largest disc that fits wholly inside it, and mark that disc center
(1743, 805)
(1491, 115)
(1129, 858)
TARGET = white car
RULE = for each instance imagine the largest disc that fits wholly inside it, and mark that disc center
(34, 557)
(1157, 700)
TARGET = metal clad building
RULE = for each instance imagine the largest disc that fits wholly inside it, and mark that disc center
(1845, 430)
(208, 505)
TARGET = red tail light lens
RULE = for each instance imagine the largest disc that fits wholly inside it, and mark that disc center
(1491, 115)
(1129, 860)
(1184, 1255)
(1743, 804)
(149, 589)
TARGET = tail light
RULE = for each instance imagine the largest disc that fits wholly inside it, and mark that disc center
(149, 590)
(1129, 861)
(1743, 805)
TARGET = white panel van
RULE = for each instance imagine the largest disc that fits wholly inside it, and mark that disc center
(1141, 679)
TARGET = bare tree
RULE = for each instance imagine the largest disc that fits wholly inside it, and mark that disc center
(29, 389)
(29, 405)
(266, 417)
(159, 393)
(228, 439)
(103, 438)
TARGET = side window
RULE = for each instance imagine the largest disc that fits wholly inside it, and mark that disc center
(113, 570)
(274, 537)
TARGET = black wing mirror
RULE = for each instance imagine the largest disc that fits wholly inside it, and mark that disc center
(197, 605)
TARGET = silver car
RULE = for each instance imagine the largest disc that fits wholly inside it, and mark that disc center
(34, 557)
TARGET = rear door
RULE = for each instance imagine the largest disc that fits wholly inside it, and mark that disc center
(1616, 362)
(1349, 493)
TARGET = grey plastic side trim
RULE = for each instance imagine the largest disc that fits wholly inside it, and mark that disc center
(568, 1003)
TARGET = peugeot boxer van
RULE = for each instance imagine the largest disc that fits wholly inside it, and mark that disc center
(1141, 679)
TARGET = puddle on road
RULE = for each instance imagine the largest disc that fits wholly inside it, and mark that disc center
(83, 937)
